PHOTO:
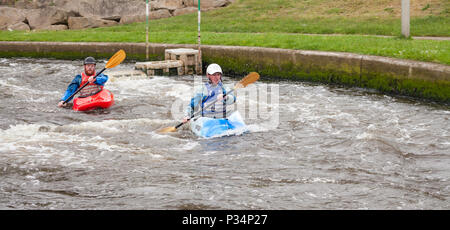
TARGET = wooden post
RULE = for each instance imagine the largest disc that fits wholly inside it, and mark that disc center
(405, 18)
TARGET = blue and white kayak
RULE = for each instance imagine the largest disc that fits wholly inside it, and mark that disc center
(210, 127)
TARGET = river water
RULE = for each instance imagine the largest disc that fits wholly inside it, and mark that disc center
(331, 148)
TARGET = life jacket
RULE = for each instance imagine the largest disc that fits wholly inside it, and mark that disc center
(91, 88)
(219, 109)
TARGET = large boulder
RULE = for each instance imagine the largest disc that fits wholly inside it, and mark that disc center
(19, 26)
(206, 4)
(187, 10)
(102, 8)
(157, 14)
(167, 4)
(24, 4)
(33, 4)
(127, 19)
(76, 23)
(55, 27)
(10, 16)
(42, 18)
(163, 13)
(7, 2)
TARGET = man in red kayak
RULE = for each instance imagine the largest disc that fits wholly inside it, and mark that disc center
(94, 86)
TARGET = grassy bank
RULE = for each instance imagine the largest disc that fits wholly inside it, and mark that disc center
(422, 50)
(378, 17)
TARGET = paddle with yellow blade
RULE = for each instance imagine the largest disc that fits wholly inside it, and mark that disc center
(115, 60)
(247, 80)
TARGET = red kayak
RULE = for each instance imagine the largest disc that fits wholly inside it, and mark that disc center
(103, 99)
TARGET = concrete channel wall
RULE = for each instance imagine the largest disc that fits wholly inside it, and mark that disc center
(388, 75)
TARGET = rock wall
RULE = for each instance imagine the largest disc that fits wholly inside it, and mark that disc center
(80, 14)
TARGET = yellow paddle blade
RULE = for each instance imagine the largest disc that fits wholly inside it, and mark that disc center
(167, 130)
(116, 59)
(249, 79)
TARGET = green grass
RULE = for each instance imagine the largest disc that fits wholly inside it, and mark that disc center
(318, 16)
(280, 24)
(224, 20)
(422, 50)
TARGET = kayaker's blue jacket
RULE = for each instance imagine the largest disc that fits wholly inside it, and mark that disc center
(76, 83)
(207, 94)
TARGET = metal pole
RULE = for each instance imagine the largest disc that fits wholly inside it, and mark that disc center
(146, 29)
(199, 41)
(405, 18)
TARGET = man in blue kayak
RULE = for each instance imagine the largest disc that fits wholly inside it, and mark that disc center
(94, 86)
(211, 91)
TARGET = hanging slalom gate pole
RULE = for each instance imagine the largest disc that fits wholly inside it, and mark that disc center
(199, 70)
(146, 29)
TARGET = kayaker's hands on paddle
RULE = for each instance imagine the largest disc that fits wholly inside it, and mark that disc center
(185, 119)
(62, 104)
(91, 79)
(219, 97)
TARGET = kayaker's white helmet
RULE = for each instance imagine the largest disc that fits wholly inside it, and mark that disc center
(213, 68)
